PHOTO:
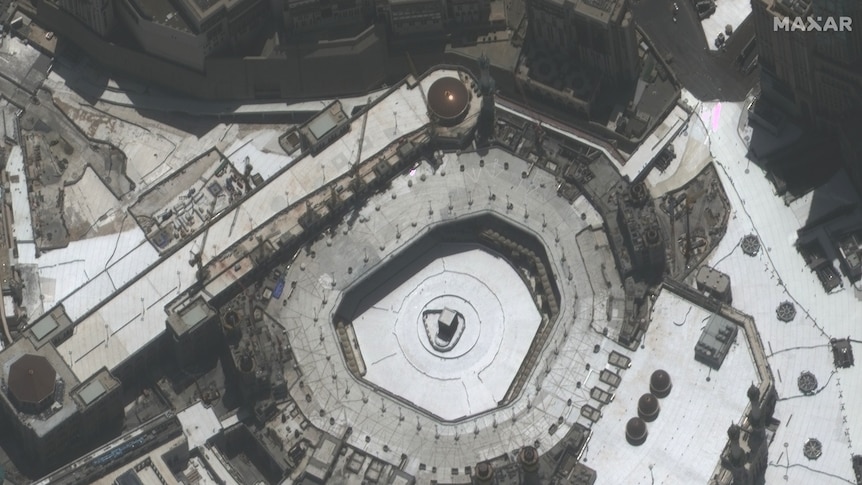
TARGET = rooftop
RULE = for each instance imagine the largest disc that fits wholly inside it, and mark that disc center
(122, 324)
(685, 441)
(201, 9)
(326, 121)
(803, 344)
(162, 12)
(31, 380)
(63, 405)
(199, 423)
(602, 11)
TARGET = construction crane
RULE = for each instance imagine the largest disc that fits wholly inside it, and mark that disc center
(690, 199)
(197, 258)
(355, 167)
(416, 77)
(538, 129)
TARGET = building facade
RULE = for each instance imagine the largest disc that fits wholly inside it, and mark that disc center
(183, 31)
(95, 14)
(312, 16)
(164, 34)
(52, 415)
(467, 12)
(416, 17)
(600, 34)
(815, 76)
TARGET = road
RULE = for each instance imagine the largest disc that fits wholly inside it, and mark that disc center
(708, 75)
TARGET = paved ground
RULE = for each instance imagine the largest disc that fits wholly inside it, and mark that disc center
(686, 439)
(707, 75)
(727, 12)
(552, 397)
(778, 273)
(500, 321)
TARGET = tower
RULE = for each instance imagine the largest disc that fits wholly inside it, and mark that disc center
(528, 458)
(487, 86)
(734, 460)
(484, 474)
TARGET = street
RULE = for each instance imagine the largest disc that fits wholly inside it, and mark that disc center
(706, 74)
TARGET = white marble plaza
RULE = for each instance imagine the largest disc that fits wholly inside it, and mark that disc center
(501, 320)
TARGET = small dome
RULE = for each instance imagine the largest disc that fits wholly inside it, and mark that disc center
(648, 407)
(528, 456)
(484, 471)
(448, 100)
(636, 431)
(660, 384)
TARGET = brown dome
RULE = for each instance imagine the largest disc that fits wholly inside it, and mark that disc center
(660, 384)
(648, 407)
(636, 431)
(448, 98)
(31, 383)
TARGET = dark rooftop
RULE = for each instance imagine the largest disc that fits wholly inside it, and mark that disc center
(31, 381)
(162, 12)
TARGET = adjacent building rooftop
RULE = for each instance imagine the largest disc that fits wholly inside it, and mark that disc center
(162, 12)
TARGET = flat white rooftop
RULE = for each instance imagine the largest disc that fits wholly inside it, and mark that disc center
(199, 424)
(727, 12)
(684, 443)
(127, 321)
(779, 273)
(23, 224)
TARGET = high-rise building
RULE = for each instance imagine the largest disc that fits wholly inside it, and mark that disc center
(51, 412)
(95, 14)
(313, 16)
(181, 31)
(600, 34)
(416, 17)
(487, 86)
(815, 75)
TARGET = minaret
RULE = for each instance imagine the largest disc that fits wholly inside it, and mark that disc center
(735, 459)
(484, 474)
(487, 87)
(528, 458)
(757, 441)
(756, 419)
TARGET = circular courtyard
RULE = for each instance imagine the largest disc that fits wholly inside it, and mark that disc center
(435, 313)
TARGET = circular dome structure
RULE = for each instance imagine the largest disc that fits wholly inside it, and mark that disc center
(636, 431)
(31, 383)
(648, 407)
(660, 384)
(528, 457)
(448, 99)
(484, 473)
